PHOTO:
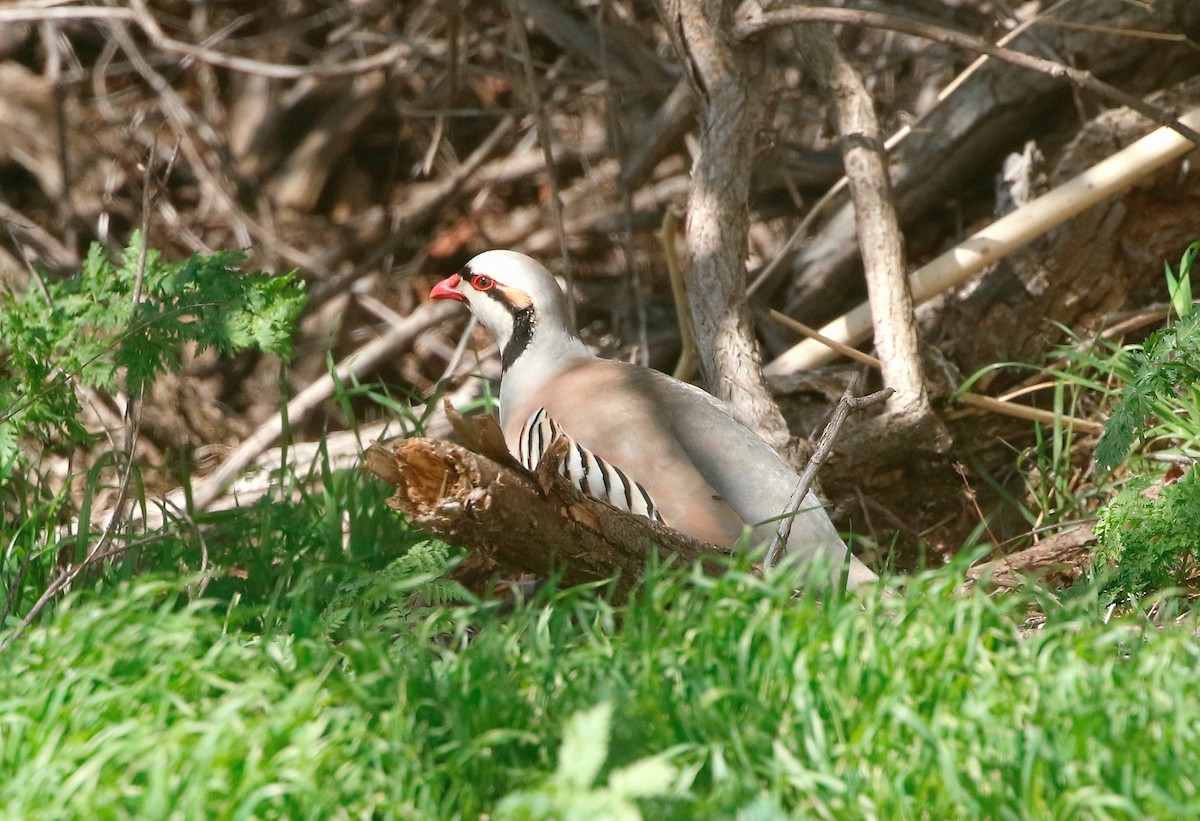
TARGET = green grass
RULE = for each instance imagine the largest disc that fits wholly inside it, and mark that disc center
(932, 706)
(299, 658)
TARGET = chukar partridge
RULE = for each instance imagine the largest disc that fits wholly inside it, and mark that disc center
(641, 440)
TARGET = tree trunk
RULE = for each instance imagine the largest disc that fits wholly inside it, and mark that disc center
(728, 85)
(879, 239)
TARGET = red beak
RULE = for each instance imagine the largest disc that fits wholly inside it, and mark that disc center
(445, 288)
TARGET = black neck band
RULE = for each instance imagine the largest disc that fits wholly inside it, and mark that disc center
(522, 335)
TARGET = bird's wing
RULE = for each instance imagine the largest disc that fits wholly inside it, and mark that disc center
(708, 474)
(597, 403)
(594, 475)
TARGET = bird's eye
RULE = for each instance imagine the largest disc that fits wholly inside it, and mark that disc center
(482, 282)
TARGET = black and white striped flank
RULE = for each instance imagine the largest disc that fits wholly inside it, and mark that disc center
(595, 477)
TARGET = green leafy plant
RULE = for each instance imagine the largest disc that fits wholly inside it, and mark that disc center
(1049, 482)
(407, 589)
(570, 793)
(1152, 396)
(1149, 536)
(1165, 380)
(1179, 286)
(115, 326)
(119, 324)
(768, 704)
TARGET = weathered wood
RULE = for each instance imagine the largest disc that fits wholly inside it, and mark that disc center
(1057, 559)
(1107, 259)
(879, 240)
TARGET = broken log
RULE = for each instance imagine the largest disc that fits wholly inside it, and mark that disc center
(1057, 560)
(523, 522)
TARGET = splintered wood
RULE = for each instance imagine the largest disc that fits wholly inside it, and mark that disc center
(476, 496)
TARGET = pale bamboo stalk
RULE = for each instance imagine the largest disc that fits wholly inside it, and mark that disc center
(1002, 237)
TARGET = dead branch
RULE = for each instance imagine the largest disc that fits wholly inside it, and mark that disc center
(1003, 405)
(525, 523)
(980, 116)
(361, 361)
(1062, 554)
(1004, 236)
(653, 140)
(150, 27)
(420, 205)
(303, 175)
(546, 140)
(629, 62)
(758, 21)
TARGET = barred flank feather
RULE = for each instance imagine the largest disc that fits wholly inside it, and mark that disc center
(595, 477)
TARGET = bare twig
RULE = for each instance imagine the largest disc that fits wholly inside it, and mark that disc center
(100, 551)
(34, 242)
(38, 14)
(181, 512)
(390, 56)
(1003, 406)
(361, 361)
(833, 344)
(688, 355)
(337, 451)
(801, 230)
(415, 209)
(845, 406)
(1019, 411)
(53, 43)
(190, 126)
(625, 62)
(654, 139)
(892, 141)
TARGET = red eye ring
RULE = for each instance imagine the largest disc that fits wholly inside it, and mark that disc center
(482, 282)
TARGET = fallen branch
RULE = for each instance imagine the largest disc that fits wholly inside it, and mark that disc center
(1064, 553)
(477, 497)
(1004, 405)
(362, 361)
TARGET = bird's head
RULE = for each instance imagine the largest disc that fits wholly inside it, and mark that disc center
(514, 297)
